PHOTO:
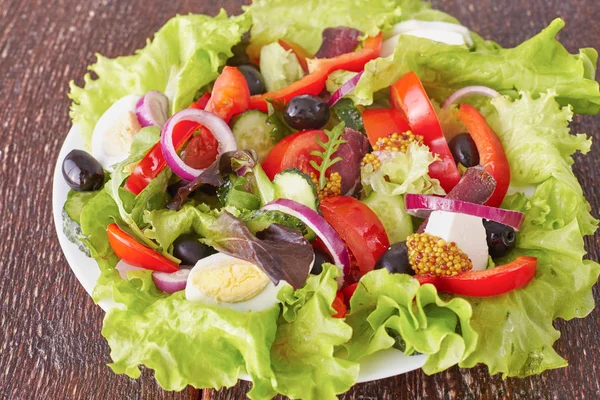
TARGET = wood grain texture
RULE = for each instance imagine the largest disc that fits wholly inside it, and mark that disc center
(50, 341)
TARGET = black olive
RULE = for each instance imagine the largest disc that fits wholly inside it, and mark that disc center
(189, 250)
(82, 172)
(463, 150)
(395, 260)
(501, 239)
(321, 258)
(254, 79)
(306, 112)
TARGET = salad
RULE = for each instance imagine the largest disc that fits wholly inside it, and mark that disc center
(278, 198)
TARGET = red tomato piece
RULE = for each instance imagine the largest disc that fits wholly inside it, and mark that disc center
(359, 227)
(409, 96)
(136, 254)
(348, 291)
(382, 122)
(491, 152)
(339, 306)
(490, 282)
(294, 152)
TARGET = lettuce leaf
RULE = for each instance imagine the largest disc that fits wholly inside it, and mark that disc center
(385, 306)
(303, 21)
(185, 54)
(517, 326)
(302, 355)
(537, 65)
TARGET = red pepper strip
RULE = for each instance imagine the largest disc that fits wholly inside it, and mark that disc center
(339, 306)
(490, 282)
(491, 153)
(409, 96)
(348, 291)
(300, 52)
(202, 102)
(314, 83)
(136, 254)
(382, 122)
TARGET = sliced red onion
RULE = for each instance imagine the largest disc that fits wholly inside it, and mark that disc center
(171, 282)
(470, 91)
(346, 88)
(152, 109)
(422, 205)
(124, 267)
(210, 121)
(334, 243)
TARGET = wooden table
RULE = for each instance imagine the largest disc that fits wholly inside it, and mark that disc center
(50, 342)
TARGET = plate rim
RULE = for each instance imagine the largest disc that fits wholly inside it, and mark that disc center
(381, 365)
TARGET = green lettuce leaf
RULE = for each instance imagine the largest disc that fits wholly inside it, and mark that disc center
(185, 55)
(302, 355)
(518, 326)
(402, 173)
(385, 306)
(279, 67)
(303, 21)
(537, 65)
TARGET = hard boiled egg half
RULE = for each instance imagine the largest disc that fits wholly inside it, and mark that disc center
(113, 134)
(230, 282)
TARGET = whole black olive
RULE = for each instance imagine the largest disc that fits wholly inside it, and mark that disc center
(254, 79)
(189, 250)
(501, 239)
(82, 172)
(306, 112)
(321, 258)
(464, 151)
(395, 260)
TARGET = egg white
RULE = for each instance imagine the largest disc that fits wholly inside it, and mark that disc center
(264, 300)
(113, 133)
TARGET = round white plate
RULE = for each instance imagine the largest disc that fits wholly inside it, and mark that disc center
(378, 366)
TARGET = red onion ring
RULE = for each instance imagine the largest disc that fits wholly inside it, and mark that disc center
(422, 205)
(152, 109)
(346, 88)
(334, 243)
(124, 267)
(171, 282)
(470, 91)
(210, 121)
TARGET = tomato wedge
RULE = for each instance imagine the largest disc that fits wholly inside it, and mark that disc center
(348, 291)
(136, 254)
(382, 122)
(409, 96)
(230, 96)
(339, 306)
(294, 152)
(359, 227)
(491, 152)
(490, 282)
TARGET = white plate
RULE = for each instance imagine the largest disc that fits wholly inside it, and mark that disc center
(378, 366)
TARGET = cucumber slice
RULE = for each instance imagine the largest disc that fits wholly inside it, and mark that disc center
(390, 210)
(295, 185)
(252, 131)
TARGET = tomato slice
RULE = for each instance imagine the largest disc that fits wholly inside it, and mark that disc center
(382, 122)
(491, 152)
(490, 282)
(409, 96)
(339, 306)
(359, 228)
(294, 152)
(348, 291)
(136, 254)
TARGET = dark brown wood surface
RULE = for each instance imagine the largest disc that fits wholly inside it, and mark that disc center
(50, 342)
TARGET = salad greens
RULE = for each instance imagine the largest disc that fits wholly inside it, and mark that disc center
(299, 349)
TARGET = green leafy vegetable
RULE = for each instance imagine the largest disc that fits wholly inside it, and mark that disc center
(185, 55)
(346, 112)
(537, 65)
(279, 67)
(334, 140)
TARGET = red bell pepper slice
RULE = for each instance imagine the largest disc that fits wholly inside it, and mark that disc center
(348, 291)
(314, 83)
(339, 306)
(301, 53)
(491, 152)
(201, 103)
(490, 282)
(382, 122)
(409, 96)
(136, 254)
